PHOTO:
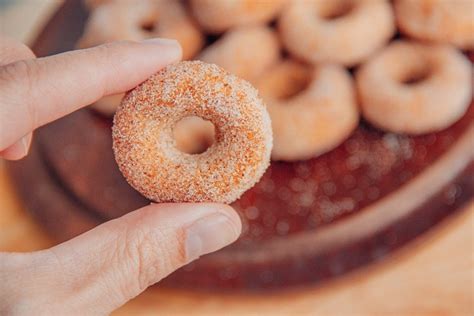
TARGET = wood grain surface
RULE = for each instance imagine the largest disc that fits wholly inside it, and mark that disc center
(432, 276)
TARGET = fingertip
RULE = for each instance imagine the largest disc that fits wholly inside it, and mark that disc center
(188, 212)
(232, 214)
(19, 149)
(169, 48)
(125, 64)
(12, 50)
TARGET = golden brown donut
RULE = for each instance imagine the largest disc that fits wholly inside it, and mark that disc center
(312, 110)
(345, 32)
(415, 88)
(440, 21)
(192, 134)
(244, 51)
(141, 19)
(146, 152)
(217, 16)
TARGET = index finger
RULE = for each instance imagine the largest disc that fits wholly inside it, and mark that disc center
(37, 91)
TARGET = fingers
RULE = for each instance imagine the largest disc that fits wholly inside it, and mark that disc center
(107, 266)
(19, 149)
(34, 92)
(12, 51)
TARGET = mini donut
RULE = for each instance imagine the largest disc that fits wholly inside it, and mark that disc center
(138, 20)
(415, 88)
(312, 111)
(143, 135)
(340, 31)
(192, 134)
(440, 21)
(217, 16)
(244, 51)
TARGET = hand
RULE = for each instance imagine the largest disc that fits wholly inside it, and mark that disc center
(102, 269)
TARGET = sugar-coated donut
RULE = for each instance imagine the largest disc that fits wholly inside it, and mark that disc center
(312, 111)
(440, 21)
(244, 51)
(339, 31)
(141, 19)
(217, 16)
(191, 134)
(143, 135)
(415, 88)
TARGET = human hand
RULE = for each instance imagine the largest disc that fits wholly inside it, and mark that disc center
(102, 269)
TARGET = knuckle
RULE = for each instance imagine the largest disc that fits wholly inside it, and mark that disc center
(22, 71)
(151, 255)
(19, 78)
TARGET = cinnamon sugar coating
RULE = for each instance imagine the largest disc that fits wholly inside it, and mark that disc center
(145, 149)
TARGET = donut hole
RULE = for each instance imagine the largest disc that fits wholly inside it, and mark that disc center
(333, 10)
(148, 27)
(415, 76)
(193, 135)
(297, 83)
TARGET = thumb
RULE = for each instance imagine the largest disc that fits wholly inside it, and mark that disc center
(102, 269)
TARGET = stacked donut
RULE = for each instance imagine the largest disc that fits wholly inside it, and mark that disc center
(317, 64)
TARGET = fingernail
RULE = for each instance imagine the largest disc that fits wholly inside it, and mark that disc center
(172, 45)
(25, 142)
(209, 234)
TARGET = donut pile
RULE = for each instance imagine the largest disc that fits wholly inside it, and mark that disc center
(317, 64)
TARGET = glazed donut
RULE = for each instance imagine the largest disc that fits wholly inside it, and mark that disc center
(312, 111)
(244, 51)
(137, 20)
(439, 21)
(340, 31)
(218, 16)
(145, 150)
(415, 88)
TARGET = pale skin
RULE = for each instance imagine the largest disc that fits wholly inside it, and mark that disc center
(100, 270)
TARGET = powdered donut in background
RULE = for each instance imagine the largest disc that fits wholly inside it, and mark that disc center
(441, 21)
(244, 51)
(217, 16)
(146, 152)
(415, 88)
(340, 31)
(312, 111)
(141, 19)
